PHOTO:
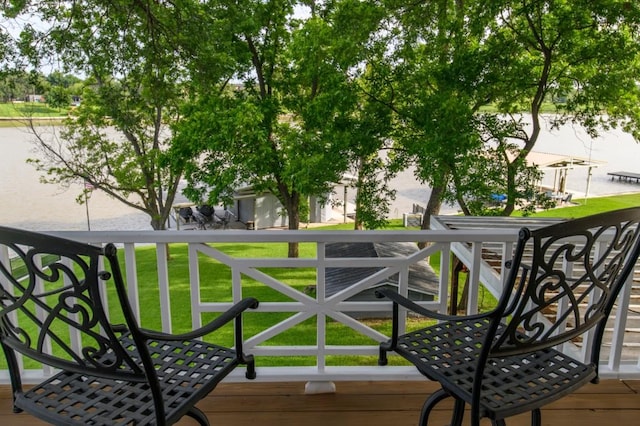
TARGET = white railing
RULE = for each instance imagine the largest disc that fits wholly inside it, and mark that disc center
(304, 307)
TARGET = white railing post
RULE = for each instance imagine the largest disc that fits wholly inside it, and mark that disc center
(474, 278)
(131, 274)
(163, 286)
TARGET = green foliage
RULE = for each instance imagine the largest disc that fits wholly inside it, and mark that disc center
(288, 103)
(453, 60)
(292, 126)
(58, 97)
(118, 137)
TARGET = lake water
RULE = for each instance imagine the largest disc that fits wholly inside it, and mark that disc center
(29, 204)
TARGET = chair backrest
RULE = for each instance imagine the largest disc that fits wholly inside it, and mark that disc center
(565, 280)
(51, 304)
(206, 210)
(185, 212)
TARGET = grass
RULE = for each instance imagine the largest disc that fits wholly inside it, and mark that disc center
(587, 207)
(21, 110)
(18, 114)
(215, 287)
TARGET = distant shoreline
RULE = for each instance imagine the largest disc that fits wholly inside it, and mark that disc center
(26, 122)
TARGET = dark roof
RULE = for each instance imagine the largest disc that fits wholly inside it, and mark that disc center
(422, 278)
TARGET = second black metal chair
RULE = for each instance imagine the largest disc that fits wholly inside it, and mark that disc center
(563, 282)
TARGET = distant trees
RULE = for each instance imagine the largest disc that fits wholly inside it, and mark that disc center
(61, 89)
(13, 86)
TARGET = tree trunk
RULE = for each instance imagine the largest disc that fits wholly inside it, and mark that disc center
(511, 188)
(433, 208)
(433, 205)
(293, 211)
(157, 223)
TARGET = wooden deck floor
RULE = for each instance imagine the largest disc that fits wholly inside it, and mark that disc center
(612, 403)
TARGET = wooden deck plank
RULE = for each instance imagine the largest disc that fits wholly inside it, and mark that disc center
(375, 403)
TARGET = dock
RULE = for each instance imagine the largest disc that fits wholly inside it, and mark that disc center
(626, 176)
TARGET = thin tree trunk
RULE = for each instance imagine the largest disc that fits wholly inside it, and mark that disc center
(433, 208)
(293, 210)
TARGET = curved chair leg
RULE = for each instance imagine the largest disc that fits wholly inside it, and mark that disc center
(431, 402)
(382, 357)
(458, 413)
(198, 415)
(16, 380)
(536, 417)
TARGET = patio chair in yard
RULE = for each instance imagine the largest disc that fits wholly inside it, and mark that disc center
(104, 374)
(223, 221)
(186, 214)
(204, 214)
(563, 283)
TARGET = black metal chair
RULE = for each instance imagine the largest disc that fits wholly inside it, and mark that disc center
(223, 221)
(204, 214)
(52, 311)
(186, 214)
(563, 282)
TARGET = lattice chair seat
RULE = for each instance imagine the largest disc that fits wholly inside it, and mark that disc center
(107, 374)
(447, 353)
(509, 360)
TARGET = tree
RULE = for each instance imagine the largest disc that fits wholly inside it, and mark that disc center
(14, 85)
(454, 59)
(586, 52)
(58, 79)
(432, 80)
(369, 154)
(7, 41)
(58, 97)
(118, 138)
(286, 128)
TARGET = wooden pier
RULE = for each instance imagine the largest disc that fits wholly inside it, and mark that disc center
(625, 176)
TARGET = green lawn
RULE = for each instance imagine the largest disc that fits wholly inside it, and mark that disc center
(216, 278)
(30, 109)
(27, 113)
(586, 207)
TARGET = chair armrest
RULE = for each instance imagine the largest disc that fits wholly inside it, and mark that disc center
(414, 307)
(398, 300)
(227, 316)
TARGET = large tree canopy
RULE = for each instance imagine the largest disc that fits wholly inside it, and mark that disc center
(454, 61)
(286, 123)
(583, 52)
